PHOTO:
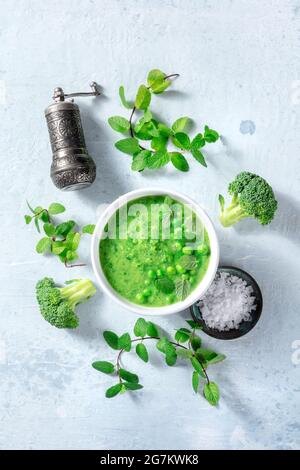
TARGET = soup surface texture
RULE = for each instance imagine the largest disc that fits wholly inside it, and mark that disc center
(156, 251)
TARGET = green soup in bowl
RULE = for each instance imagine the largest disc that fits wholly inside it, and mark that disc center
(159, 252)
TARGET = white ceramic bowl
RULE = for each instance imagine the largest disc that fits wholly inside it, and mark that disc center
(201, 288)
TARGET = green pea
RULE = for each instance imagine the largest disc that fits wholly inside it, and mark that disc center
(177, 246)
(147, 282)
(192, 279)
(171, 270)
(159, 273)
(180, 269)
(151, 274)
(147, 292)
(193, 272)
(170, 299)
(187, 250)
(185, 277)
(203, 249)
(140, 298)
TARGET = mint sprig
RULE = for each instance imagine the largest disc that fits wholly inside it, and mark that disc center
(61, 238)
(159, 134)
(186, 345)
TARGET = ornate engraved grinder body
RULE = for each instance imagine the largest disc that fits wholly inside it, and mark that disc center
(72, 167)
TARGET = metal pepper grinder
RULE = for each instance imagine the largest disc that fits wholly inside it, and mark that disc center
(72, 167)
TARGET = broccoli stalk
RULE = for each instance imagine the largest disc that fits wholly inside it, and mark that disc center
(57, 305)
(252, 197)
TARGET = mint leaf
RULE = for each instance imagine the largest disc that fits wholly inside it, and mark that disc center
(195, 381)
(182, 287)
(179, 161)
(113, 391)
(211, 393)
(56, 208)
(198, 142)
(125, 342)
(43, 246)
(221, 202)
(139, 161)
(124, 102)
(194, 324)
(163, 344)
(216, 359)
(188, 262)
(71, 255)
(103, 366)
(119, 123)
(112, 339)
(210, 135)
(64, 228)
(196, 343)
(181, 140)
(143, 98)
(171, 358)
(49, 229)
(128, 376)
(132, 386)
(164, 130)
(58, 247)
(159, 143)
(142, 352)
(129, 145)
(155, 75)
(152, 329)
(28, 219)
(165, 285)
(197, 366)
(181, 124)
(205, 355)
(140, 327)
(158, 159)
(88, 229)
(182, 335)
(184, 353)
(198, 156)
(159, 87)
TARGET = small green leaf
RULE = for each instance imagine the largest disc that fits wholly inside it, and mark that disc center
(160, 86)
(56, 208)
(179, 161)
(222, 202)
(199, 156)
(163, 344)
(171, 358)
(36, 223)
(182, 287)
(103, 366)
(129, 145)
(198, 142)
(28, 219)
(64, 228)
(39, 211)
(182, 335)
(197, 366)
(196, 342)
(142, 352)
(205, 355)
(139, 161)
(155, 75)
(143, 98)
(112, 339)
(113, 391)
(58, 247)
(119, 123)
(181, 124)
(210, 135)
(158, 159)
(188, 262)
(75, 241)
(184, 353)
(71, 255)
(43, 246)
(194, 325)
(152, 330)
(216, 359)
(211, 393)
(181, 140)
(124, 102)
(195, 381)
(49, 229)
(159, 143)
(125, 342)
(165, 285)
(132, 386)
(140, 327)
(88, 229)
(128, 376)
(164, 130)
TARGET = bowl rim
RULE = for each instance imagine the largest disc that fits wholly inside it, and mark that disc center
(201, 287)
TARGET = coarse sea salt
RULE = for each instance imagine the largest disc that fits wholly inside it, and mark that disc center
(227, 303)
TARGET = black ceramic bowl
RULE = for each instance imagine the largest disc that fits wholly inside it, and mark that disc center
(245, 326)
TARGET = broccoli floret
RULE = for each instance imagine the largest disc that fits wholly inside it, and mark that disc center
(252, 196)
(57, 305)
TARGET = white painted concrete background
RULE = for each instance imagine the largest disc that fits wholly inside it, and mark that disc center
(239, 61)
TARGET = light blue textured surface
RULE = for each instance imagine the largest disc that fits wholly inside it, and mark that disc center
(239, 66)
